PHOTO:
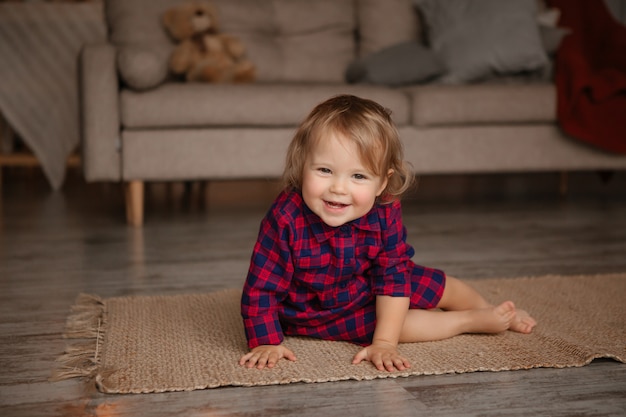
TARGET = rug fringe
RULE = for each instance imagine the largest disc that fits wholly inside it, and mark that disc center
(82, 359)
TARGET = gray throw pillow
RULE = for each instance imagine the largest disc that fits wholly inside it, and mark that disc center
(480, 38)
(401, 64)
(142, 68)
(143, 45)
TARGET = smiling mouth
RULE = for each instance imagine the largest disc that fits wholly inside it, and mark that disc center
(335, 205)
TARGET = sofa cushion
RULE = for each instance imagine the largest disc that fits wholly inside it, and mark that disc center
(479, 38)
(400, 64)
(262, 104)
(287, 40)
(385, 23)
(204, 153)
(488, 103)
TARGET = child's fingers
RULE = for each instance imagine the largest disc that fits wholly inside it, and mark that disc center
(272, 358)
(249, 360)
(245, 358)
(397, 362)
(260, 358)
(289, 355)
(252, 359)
(360, 357)
(383, 361)
(387, 363)
(265, 359)
(405, 362)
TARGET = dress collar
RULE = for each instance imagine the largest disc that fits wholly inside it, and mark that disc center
(323, 232)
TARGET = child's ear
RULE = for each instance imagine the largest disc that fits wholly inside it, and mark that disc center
(384, 182)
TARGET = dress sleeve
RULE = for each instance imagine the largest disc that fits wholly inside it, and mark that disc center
(392, 273)
(267, 283)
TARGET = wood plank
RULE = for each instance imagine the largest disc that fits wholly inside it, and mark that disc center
(26, 159)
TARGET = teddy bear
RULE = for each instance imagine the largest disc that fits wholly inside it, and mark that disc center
(203, 53)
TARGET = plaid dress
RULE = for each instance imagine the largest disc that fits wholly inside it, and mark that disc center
(307, 278)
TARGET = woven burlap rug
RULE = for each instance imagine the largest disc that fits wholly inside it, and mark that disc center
(187, 342)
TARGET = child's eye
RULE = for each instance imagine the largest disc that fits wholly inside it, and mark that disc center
(359, 177)
(324, 170)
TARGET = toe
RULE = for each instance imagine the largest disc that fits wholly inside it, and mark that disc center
(505, 308)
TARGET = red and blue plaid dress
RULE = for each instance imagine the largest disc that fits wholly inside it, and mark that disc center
(307, 278)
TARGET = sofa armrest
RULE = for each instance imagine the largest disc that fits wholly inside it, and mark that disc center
(100, 115)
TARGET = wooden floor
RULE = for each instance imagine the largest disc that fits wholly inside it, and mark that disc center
(54, 245)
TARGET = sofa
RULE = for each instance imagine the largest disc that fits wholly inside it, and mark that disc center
(140, 124)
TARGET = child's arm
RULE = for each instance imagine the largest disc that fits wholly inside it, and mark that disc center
(393, 288)
(266, 285)
(266, 355)
(383, 352)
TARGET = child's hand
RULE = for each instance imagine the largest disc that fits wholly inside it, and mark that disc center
(383, 357)
(266, 355)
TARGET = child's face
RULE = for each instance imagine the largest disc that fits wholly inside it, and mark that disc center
(336, 185)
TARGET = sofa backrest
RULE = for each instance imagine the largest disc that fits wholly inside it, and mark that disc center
(293, 40)
(287, 40)
(384, 23)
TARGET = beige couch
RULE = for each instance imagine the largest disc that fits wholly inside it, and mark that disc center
(139, 125)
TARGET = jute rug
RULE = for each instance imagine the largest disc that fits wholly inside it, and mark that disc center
(186, 342)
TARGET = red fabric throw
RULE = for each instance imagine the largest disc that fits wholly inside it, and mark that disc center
(590, 75)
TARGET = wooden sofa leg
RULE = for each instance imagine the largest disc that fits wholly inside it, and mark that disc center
(134, 203)
(563, 183)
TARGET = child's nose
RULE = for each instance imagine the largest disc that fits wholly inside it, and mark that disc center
(338, 186)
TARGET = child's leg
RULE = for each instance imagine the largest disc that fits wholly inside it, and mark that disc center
(429, 325)
(465, 311)
(460, 296)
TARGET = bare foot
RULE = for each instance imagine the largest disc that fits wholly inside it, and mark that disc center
(492, 319)
(523, 322)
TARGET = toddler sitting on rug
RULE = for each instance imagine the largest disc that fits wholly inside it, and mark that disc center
(331, 260)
